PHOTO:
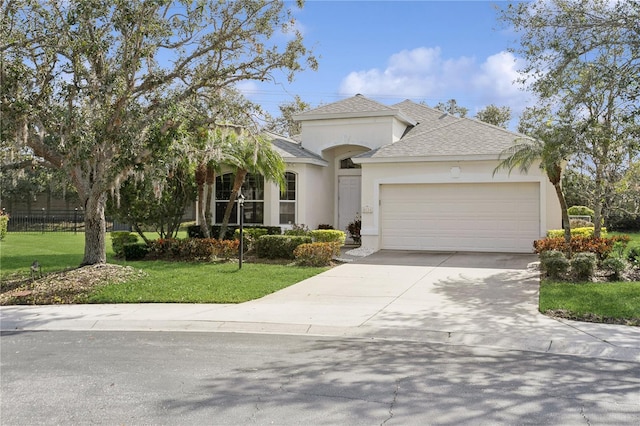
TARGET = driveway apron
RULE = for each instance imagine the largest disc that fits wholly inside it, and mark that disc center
(449, 297)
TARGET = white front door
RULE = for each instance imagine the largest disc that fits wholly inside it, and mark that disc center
(348, 200)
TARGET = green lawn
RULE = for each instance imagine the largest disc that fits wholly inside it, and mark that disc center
(599, 302)
(164, 281)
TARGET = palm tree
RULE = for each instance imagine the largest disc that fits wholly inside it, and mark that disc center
(551, 150)
(251, 154)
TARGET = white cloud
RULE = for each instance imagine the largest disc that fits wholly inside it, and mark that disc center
(423, 73)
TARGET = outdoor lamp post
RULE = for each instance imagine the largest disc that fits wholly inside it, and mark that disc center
(241, 247)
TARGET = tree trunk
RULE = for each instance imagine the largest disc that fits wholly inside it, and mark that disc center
(597, 201)
(95, 229)
(201, 174)
(211, 179)
(566, 223)
(237, 184)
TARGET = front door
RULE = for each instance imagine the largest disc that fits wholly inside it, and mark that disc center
(348, 200)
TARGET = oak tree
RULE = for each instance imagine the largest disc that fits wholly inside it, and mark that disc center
(86, 82)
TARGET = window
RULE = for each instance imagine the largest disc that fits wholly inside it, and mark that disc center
(288, 200)
(348, 163)
(253, 191)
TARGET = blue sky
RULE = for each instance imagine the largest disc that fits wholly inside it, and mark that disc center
(389, 51)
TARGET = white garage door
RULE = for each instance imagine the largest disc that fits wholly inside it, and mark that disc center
(462, 217)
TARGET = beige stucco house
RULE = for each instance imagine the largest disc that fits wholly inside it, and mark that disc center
(418, 178)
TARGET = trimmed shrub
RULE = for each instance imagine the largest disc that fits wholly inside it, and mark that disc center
(314, 254)
(576, 232)
(118, 241)
(615, 266)
(337, 238)
(194, 249)
(134, 251)
(328, 236)
(194, 231)
(583, 266)
(250, 236)
(580, 223)
(580, 211)
(226, 249)
(279, 246)
(600, 246)
(4, 222)
(554, 264)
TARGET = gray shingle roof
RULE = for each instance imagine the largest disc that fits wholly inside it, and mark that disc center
(354, 104)
(292, 151)
(440, 134)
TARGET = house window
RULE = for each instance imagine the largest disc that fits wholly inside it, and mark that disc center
(288, 200)
(253, 191)
(348, 163)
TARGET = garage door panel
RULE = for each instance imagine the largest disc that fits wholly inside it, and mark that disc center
(473, 217)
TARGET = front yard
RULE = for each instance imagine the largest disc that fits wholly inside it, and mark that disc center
(181, 282)
(128, 281)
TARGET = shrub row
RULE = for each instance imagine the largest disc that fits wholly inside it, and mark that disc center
(194, 249)
(585, 231)
(581, 267)
(279, 246)
(601, 247)
(194, 231)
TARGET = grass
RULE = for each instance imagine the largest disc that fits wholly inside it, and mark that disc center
(600, 302)
(169, 282)
(164, 282)
(617, 302)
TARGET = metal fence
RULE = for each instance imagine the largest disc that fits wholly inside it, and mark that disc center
(55, 221)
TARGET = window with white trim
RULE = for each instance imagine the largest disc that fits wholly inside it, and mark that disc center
(288, 200)
(253, 191)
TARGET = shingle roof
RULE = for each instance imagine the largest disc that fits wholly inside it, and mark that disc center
(440, 134)
(291, 150)
(354, 104)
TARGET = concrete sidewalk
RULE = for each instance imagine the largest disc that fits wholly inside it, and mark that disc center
(455, 298)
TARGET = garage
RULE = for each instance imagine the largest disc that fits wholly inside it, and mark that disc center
(488, 217)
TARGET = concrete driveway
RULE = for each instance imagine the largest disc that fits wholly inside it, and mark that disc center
(459, 298)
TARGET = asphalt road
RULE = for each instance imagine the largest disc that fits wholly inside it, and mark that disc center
(135, 378)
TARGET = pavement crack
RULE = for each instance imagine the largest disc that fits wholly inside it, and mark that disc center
(584, 416)
(393, 402)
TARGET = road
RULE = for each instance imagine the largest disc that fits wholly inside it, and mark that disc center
(133, 378)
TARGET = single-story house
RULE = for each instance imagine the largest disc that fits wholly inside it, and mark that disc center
(418, 178)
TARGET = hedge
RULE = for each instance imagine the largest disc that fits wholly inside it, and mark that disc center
(194, 231)
(602, 247)
(279, 246)
(328, 236)
(576, 232)
(194, 249)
